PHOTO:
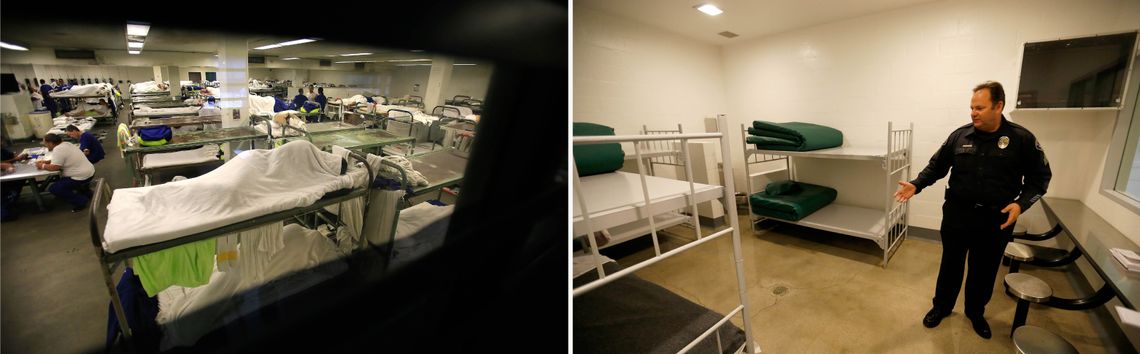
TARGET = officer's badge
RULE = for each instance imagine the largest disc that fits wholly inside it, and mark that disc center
(1003, 142)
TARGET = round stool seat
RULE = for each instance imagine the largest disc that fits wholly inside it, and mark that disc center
(1033, 340)
(1019, 251)
(1028, 287)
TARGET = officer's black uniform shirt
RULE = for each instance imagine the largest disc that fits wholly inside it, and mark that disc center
(986, 173)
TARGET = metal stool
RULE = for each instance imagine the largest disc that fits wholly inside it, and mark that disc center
(1027, 289)
(1034, 340)
(1017, 253)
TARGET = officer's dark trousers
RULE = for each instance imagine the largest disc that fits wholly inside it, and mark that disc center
(970, 233)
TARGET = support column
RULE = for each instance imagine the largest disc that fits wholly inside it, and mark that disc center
(439, 78)
(233, 72)
(158, 75)
(175, 82)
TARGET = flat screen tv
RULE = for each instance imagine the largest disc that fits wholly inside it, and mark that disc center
(1086, 72)
(8, 83)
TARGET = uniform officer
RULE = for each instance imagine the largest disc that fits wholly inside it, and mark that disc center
(1000, 170)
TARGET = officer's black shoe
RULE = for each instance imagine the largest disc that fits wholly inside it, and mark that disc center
(934, 317)
(981, 327)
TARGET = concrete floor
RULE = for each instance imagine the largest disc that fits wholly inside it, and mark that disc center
(52, 296)
(811, 291)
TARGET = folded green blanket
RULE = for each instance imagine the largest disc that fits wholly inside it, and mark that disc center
(804, 136)
(595, 159)
(792, 203)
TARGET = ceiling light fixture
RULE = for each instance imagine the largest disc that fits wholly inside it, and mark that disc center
(137, 29)
(413, 64)
(355, 61)
(709, 9)
(134, 51)
(11, 46)
(285, 44)
(290, 58)
(417, 50)
(138, 45)
(406, 60)
(462, 64)
(355, 54)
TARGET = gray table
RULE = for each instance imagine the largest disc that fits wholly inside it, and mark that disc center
(29, 171)
(1094, 237)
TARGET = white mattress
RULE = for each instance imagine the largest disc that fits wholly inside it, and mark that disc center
(254, 183)
(303, 250)
(85, 90)
(204, 154)
(616, 198)
(280, 131)
(146, 86)
(60, 123)
(144, 111)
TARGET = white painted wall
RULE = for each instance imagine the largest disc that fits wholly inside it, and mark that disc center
(628, 74)
(404, 77)
(469, 80)
(918, 64)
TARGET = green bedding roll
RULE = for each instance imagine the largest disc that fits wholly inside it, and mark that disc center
(793, 201)
(804, 136)
(595, 159)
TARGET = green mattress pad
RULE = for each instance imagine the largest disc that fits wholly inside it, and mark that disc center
(793, 136)
(795, 204)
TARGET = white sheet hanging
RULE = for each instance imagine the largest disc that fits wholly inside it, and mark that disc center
(259, 106)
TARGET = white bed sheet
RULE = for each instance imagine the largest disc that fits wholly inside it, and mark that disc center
(85, 90)
(254, 183)
(303, 250)
(145, 111)
(146, 86)
(204, 154)
(61, 123)
(261, 105)
(280, 131)
(616, 198)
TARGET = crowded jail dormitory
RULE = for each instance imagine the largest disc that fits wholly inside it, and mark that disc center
(855, 177)
(210, 184)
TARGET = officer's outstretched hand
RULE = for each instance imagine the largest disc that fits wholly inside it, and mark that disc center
(1014, 211)
(906, 190)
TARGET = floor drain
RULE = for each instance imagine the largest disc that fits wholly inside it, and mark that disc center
(780, 290)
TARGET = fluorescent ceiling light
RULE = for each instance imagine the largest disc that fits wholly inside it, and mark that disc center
(404, 60)
(710, 9)
(355, 54)
(11, 46)
(413, 64)
(417, 50)
(290, 58)
(137, 29)
(462, 64)
(285, 44)
(134, 51)
(134, 45)
(355, 61)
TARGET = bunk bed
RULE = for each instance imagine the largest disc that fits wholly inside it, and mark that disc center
(426, 129)
(887, 225)
(365, 140)
(122, 231)
(92, 91)
(175, 122)
(608, 302)
(133, 154)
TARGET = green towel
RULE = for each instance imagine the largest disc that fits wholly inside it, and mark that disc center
(595, 159)
(793, 205)
(188, 265)
(807, 136)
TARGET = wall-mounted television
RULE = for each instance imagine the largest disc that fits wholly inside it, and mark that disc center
(1086, 72)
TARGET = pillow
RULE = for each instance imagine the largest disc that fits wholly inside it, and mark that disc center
(781, 188)
(595, 159)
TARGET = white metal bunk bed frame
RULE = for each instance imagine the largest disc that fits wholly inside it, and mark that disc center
(727, 199)
(896, 160)
(109, 261)
(109, 97)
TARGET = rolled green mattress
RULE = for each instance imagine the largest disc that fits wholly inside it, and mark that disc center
(592, 159)
(793, 136)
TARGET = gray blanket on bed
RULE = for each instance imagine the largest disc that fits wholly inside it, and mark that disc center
(631, 315)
